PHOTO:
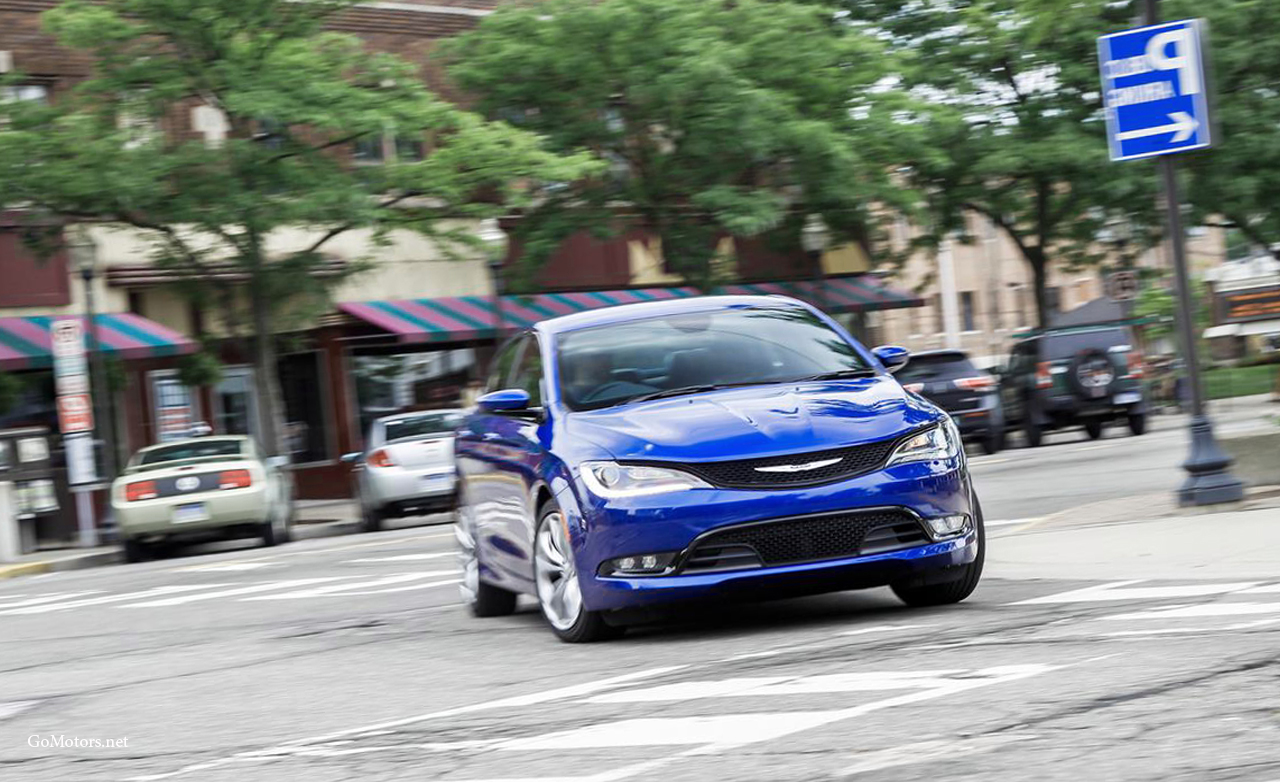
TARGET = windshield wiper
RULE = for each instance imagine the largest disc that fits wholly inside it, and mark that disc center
(683, 390)
(840, 374)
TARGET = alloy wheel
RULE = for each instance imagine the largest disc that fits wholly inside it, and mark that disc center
(558, 590)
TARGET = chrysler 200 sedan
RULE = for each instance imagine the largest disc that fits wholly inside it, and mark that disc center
(705, 449)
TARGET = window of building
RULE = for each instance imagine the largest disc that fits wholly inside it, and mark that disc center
(939, 322)
(235, 403)
(175, 407)
(303, 383)
(1053, 299)
(404, 382)
(390, 147)
(968, 311)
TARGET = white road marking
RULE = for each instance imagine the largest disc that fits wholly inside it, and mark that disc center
(1010, 522)
(153, 592)
(982, 462)
(225, 566)
(1269, 589)
(406, 557)
(669, 731)
(383, 728)
(1118, 591)
(49, 598)
(880, 629)
(245, 590)
(928, 752)
(1091, 448)
(1190, 630)
(351, 586)
(410, 588)
(782, 685)
(1195, 611)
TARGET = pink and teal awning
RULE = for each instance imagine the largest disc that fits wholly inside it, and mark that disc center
(463, 318)
(25, 342)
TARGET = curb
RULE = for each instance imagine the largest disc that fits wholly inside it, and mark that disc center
(61, 564)
(1153, 507)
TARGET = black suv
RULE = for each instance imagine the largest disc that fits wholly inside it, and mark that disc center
(1087, 376)
(970, 396)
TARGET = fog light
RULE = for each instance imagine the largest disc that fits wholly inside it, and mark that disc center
(638, 565)
(948, 526)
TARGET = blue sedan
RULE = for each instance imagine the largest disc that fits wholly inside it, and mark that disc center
(705, 449)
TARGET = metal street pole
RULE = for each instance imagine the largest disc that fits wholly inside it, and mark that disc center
(102, 414)
(1209, 479)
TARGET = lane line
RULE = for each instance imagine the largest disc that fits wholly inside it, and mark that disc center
(404, 558)
(1011, 522)
(348, 588)
(50, 598)
(155, 591)
(245, 590)
(1118, 591)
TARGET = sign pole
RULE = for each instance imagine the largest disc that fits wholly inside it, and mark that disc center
(1209, 479)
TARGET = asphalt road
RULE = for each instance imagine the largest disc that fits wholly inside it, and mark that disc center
(348, 659)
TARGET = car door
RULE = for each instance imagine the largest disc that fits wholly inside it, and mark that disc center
(492, 454)
(1013, 381)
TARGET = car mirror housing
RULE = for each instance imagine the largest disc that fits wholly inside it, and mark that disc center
(892, 357)
(510, 400)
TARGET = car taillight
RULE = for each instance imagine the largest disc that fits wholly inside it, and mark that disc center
(141, 490)
(380, 458)
(1134, 365)
(1044, 377)
(980, 383)
(914, 388)
(235, 479)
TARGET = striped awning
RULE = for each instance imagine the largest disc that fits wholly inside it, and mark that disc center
(25, 342)
(462, 318)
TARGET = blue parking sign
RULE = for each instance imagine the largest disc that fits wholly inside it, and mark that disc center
(1154, 90)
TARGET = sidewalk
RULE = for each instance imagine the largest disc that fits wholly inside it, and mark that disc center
(1145, 537)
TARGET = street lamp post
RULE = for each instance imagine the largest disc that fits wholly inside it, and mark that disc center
(84, 254)
(814, 237)
(495, 240)
(1209, 479)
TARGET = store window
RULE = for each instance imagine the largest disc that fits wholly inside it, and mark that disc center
(404, 382)
(174, 406)
(303, 386)
(968, 311)
(235, 409)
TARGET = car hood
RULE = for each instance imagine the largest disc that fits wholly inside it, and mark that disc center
(756, 422)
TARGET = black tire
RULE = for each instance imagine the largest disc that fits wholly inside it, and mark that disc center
(993, 443)
(371, 519)
(1137, 424)
(948, 592)
(1030, 429)
(590, 626)
(1093, 427)
(136, 551)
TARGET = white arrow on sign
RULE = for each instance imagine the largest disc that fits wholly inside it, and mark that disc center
(1184, 127)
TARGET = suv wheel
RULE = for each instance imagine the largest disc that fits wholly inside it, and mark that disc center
(994, 441)
(1031, 429)
(1137, 423)
(1093, 426)
(136, 551)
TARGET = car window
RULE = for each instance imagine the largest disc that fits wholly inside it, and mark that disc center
(1067, 345)
(1023, 357)
(431, 424)
(500, 369)
(196, 449)
(528, 373)
(610, 365)
(946, 366)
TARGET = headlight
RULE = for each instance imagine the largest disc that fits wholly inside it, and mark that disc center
(937, 444)
(610, 480)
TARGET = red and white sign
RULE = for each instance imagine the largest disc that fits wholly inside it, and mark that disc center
(75, 413)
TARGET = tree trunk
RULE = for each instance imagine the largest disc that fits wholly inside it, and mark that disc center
(265, 376)
(1040, 276)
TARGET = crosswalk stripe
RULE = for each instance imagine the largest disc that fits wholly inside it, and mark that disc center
(1120, 591)
(399, 578)
(406, 557)
(49, 598)
(410, 588)
(155, 591)
(1195, 611)
(245, 590)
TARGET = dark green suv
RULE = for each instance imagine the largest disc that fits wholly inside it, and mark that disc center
(1088, 376)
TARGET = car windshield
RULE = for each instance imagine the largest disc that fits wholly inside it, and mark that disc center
(196, 449)
(1067, 345)
(942, 366)
(425, 425)
(610, 365)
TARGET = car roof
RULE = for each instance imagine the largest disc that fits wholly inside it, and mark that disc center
(391, 419)
(624, 313)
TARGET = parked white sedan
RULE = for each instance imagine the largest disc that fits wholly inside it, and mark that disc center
(202, 488)
(408, 468)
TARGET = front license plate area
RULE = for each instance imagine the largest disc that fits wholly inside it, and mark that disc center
(185, 514)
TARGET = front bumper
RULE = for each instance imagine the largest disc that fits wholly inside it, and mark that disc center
(672, 522)
(228, 508)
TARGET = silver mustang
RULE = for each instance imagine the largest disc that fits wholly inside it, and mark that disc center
(408, 468)
(202, 488)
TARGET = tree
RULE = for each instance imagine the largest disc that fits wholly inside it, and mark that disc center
(1008, 123)
(292, 98)
(717, 118)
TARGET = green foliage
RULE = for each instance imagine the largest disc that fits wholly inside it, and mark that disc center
(294, 97)
(715, 118)
(201, 369)
(1008, 122)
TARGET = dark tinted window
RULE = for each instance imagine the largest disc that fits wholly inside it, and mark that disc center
(201, 449)
(425, 425)
(945, 366)
(609, 365)
(529, 372)
(1067, 345)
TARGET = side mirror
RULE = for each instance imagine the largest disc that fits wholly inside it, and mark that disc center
(277, 462)
(892, 356)
(352, 458)
(509, 400)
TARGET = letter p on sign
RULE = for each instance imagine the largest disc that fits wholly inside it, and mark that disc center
(1182, 60)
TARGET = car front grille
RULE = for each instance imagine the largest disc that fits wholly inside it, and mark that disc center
(807, 539)
(801, 469)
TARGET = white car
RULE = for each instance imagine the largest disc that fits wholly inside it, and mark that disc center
(408, 468)
(201, 488)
